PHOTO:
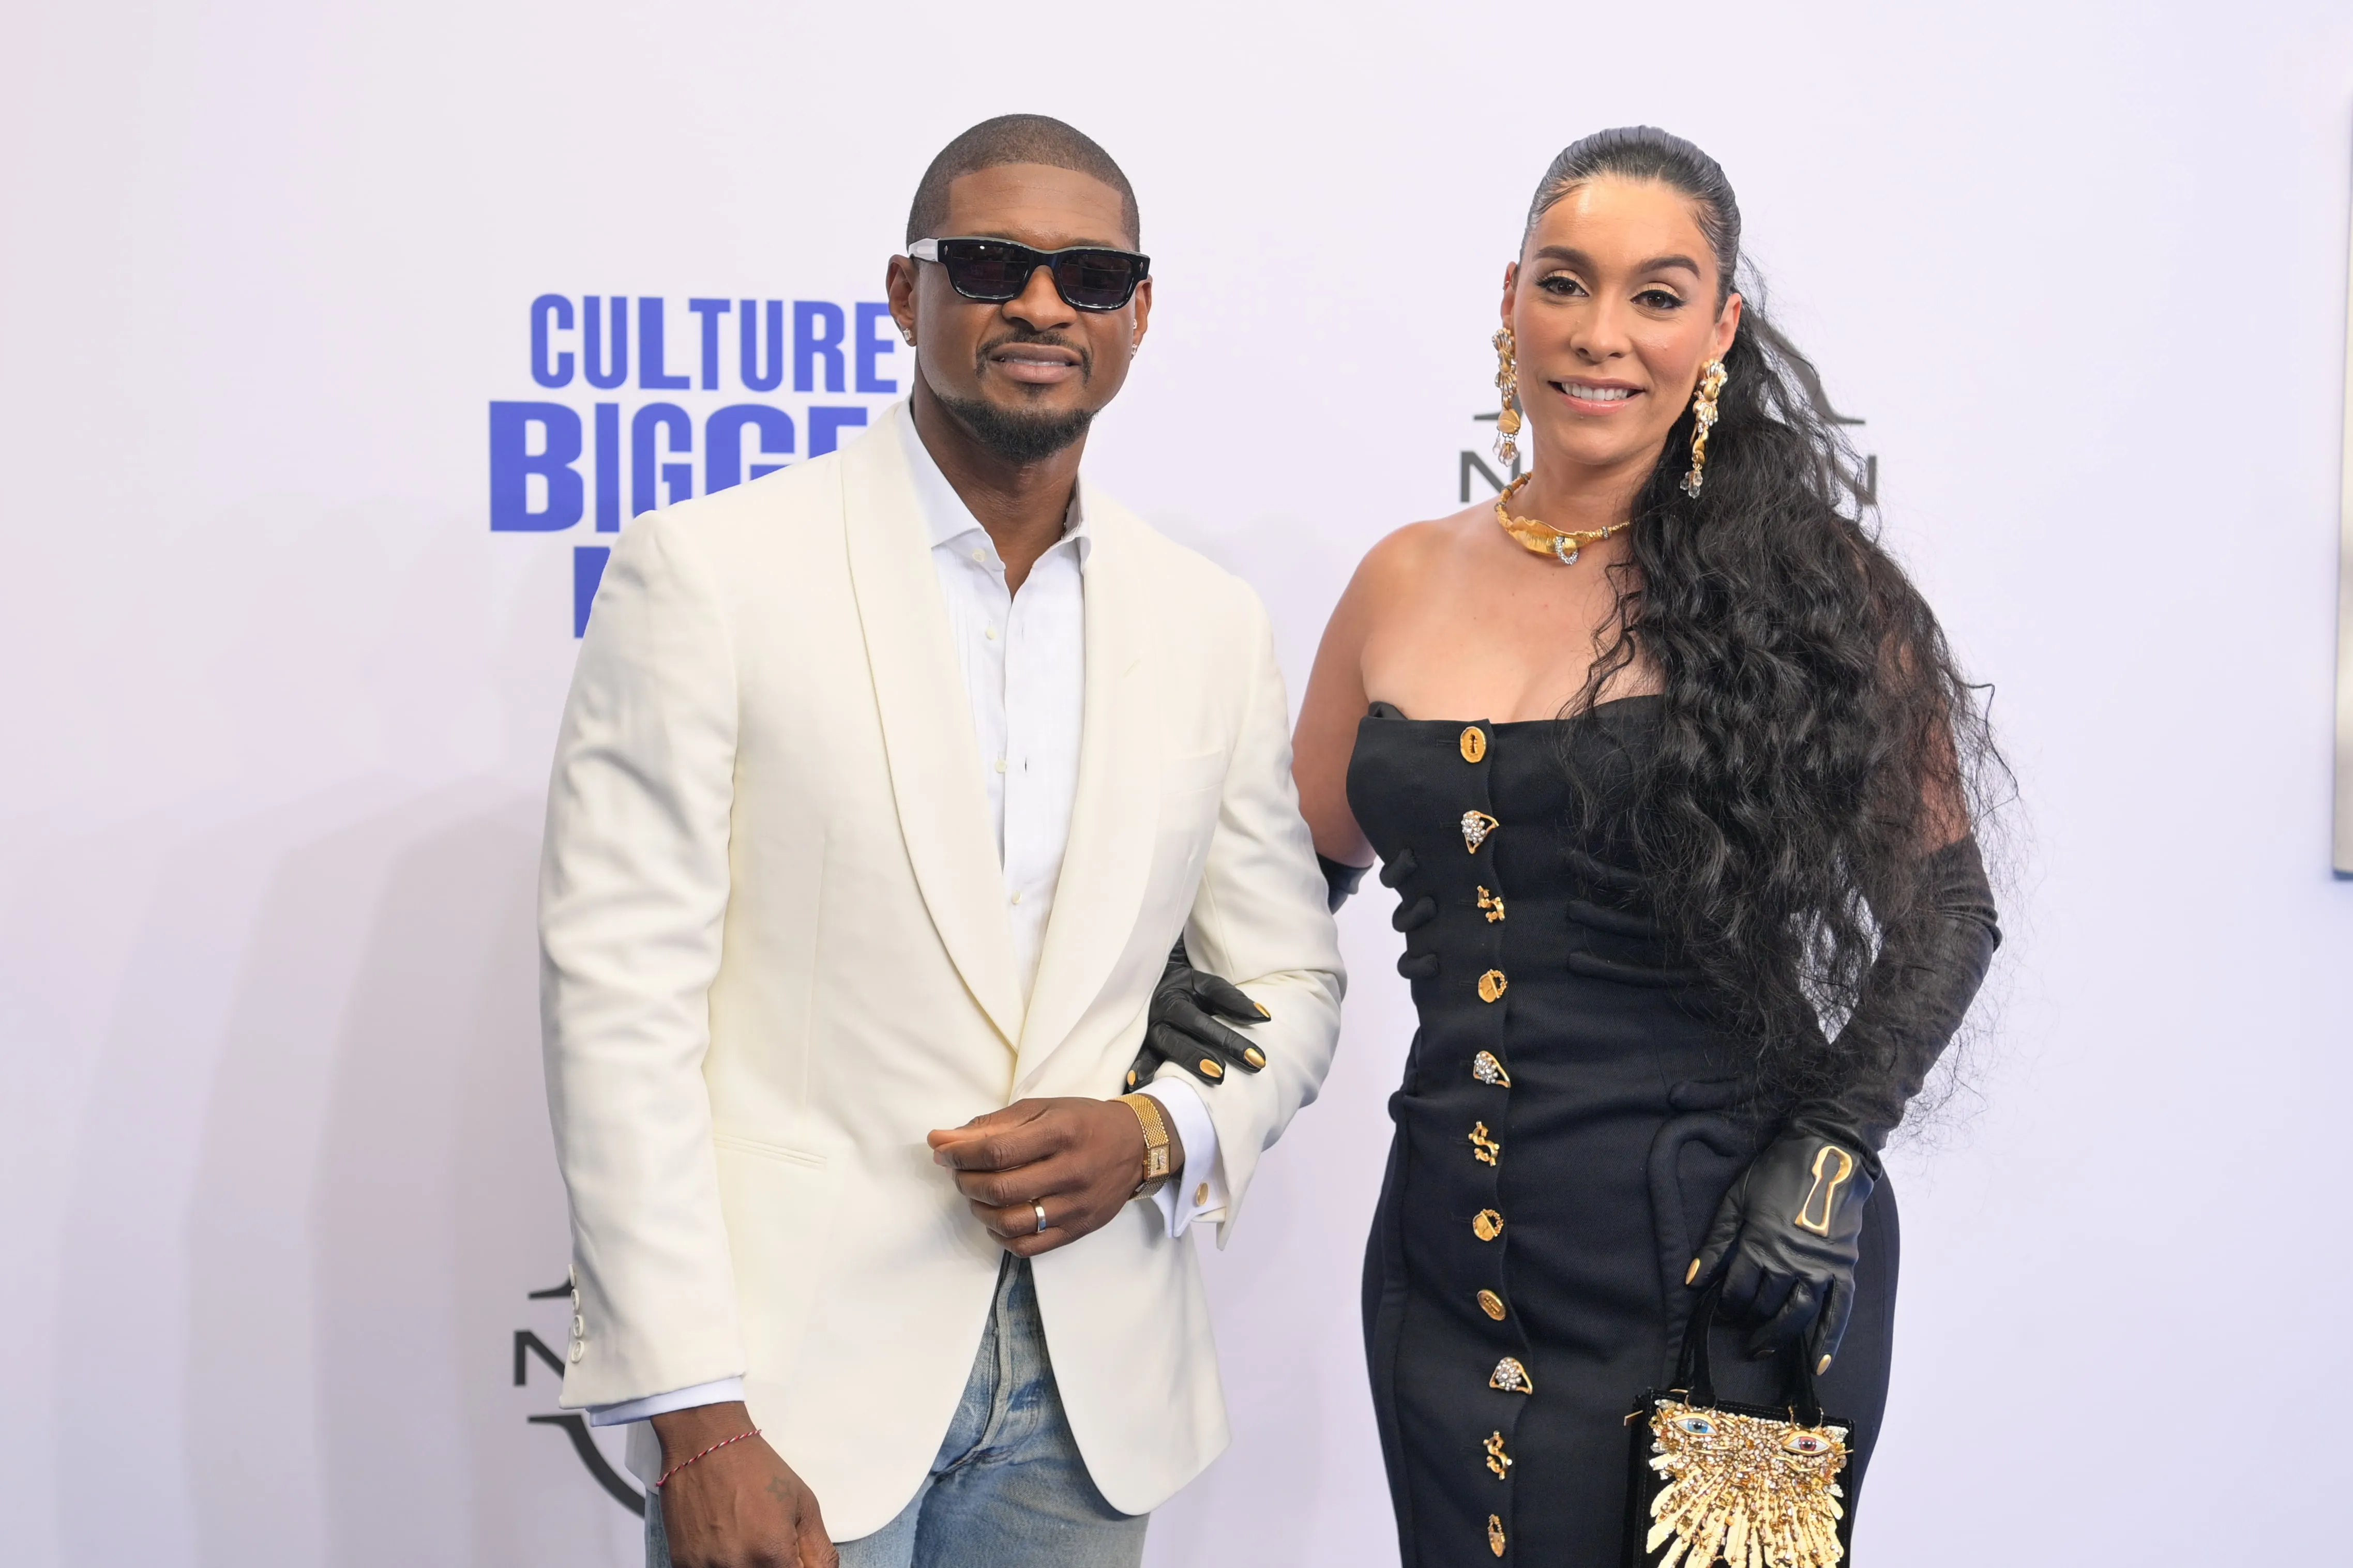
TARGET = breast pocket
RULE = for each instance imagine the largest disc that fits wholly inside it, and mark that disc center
(1190, 789)
(1190, 775)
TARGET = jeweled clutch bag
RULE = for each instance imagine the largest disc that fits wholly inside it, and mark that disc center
(1751, 1492)
(1713, 1481)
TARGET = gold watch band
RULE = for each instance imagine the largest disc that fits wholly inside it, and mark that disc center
(1156, 1143)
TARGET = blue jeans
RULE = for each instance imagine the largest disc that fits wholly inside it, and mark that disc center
(1008, 1489)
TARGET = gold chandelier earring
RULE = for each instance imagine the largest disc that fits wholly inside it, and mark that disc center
(1507, 381)
(1711, 383)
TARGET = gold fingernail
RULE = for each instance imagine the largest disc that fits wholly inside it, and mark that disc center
(1693, 1272)
(1131, 1080)
(1211, 1070)
(1261, 1010)
(1824, 1367)
(1253, 1057)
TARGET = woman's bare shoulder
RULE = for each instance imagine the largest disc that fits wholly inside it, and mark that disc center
(1404, 558)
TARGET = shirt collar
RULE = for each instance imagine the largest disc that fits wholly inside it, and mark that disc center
(950, 522)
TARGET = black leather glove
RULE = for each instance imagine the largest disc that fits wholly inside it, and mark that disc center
(1918, 992)
(1340, 880)
(1787, 1235)
(1786, 1238)
(1180, 1028)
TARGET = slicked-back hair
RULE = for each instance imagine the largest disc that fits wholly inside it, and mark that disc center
(1016, 139)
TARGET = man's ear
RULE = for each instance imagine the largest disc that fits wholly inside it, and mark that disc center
(1143, 314)
(899, 287)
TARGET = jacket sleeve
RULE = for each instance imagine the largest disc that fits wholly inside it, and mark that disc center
(633, 896)
(1260, 920)
(1919, 989)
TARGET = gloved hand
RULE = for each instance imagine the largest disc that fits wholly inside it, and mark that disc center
(1180, 1029)
(1786, 1238)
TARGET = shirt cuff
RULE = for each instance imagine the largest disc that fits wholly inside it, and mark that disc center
(1201, 1192)
(726, 1390)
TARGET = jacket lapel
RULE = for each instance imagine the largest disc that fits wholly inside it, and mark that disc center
(1109, 859)
(926, 720)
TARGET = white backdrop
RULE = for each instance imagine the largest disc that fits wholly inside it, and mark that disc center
(274, 1181)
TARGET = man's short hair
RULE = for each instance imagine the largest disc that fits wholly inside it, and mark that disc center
(1016, 139)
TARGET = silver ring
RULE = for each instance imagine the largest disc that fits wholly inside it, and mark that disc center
(1041, 1209)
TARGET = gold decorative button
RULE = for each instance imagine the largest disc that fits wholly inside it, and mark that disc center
(1491, 986)
(1482, 1148)
(1492, 1304)
(1494, 1535)
(1476, 825)
(1487, 1225)
(1497, 1460)
(1200, 1194)
(1488, 1070)
(1511, 1377)
(1492, 903)
(1474, 743)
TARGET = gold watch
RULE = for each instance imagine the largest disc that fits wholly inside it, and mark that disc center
(1156, 1143)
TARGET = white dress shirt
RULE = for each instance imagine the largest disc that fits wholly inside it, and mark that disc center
(1023, 657)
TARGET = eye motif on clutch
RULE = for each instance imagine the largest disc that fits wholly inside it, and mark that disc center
(1745, 1489)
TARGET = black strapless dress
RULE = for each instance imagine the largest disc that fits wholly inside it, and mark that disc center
(1569, 1121)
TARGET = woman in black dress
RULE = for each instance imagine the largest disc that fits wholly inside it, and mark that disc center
(1673, 773)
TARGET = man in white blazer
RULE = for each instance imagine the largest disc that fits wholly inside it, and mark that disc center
(885, 784)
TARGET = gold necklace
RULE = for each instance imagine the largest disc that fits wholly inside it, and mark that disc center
(1543, 538)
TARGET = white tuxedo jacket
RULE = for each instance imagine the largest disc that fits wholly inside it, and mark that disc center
(775, 952)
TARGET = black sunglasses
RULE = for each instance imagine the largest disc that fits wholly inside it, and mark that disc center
(1087, 277)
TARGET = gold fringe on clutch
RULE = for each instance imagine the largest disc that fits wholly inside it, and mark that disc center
(1743, 1490)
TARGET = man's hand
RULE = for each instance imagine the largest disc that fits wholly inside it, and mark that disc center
(739, 1508)
(1080, 1159)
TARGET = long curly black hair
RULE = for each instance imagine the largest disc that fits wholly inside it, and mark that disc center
(1819, 741)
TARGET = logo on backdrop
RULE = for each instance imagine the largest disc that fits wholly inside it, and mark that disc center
(690, 402)
(529, 1346)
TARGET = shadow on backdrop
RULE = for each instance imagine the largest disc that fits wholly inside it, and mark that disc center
(375, 1200)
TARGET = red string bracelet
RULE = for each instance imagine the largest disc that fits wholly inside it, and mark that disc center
(705, 1454)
